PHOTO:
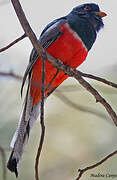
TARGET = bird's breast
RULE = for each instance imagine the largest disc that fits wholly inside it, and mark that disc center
(69, 47)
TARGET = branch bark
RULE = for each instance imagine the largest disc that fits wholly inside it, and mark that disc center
(82, 171)
(27, 28)
(41, 121)
(98, 79)
(12, 43)
(11, 74)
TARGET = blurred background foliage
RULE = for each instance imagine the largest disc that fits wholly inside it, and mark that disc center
(79, 132)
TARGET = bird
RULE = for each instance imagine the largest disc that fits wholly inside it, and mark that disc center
(69, 39)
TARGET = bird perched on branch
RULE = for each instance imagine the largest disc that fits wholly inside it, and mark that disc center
(69, 39)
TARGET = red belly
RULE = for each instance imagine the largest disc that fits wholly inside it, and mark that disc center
(70, 50)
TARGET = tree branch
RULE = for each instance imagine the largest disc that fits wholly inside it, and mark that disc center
(26, 27)
(98, 79)
(41, 120)
(82, 171)
(11, 74)
(14, 42)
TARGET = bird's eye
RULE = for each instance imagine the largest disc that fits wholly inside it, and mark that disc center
(87, 8)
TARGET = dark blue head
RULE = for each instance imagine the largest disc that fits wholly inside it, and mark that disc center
(92, 13)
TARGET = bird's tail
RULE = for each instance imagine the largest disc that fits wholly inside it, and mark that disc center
(28, 117)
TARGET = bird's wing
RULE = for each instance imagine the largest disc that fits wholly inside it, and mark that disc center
(49, 35)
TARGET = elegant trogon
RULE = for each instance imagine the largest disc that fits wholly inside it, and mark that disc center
(68, 39)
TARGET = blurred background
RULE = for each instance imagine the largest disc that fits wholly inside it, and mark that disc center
(79, 132)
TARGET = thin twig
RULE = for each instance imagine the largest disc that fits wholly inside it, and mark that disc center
(82, 171)
(26, 27)
(2, 151)
(49, 86)
(97, 96)
(41, 120)
(11, 74)
(98, 79)
(14, 42)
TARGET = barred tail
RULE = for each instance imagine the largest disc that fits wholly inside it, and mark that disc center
(29, 116)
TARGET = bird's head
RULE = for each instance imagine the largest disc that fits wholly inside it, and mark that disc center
(92, 13)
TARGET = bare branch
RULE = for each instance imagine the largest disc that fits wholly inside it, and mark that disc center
(11, 74)
(82, 171)
(2, 151)
(99, 79)
(97, 96)
(26, 27)
(14, 42)
(41, 120)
